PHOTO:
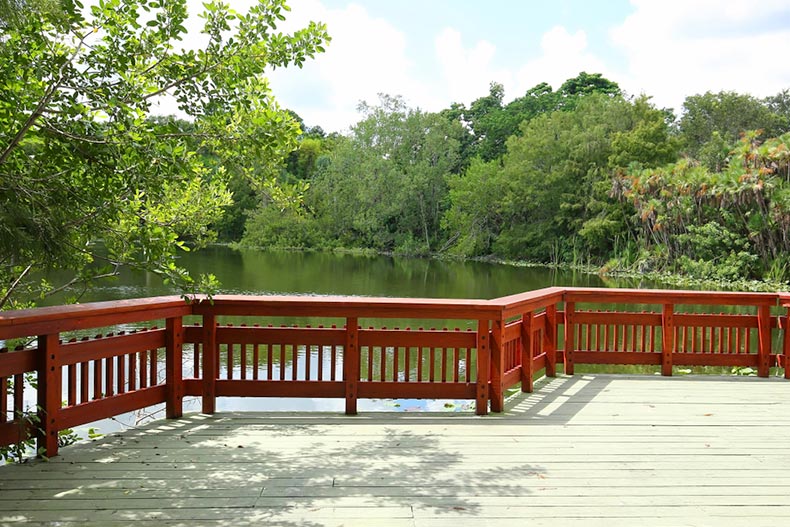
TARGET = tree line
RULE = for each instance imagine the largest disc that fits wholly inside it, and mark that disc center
(581, 175)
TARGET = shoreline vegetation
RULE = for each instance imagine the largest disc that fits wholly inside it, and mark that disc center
(584, 177)
(665, 278)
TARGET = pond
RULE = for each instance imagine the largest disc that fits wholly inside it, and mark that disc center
(250, 271)
(259, 272)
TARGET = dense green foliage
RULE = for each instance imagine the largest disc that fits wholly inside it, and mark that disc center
(89, 179)
(581, 175)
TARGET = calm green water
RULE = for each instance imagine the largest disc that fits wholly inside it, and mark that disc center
(263, 272)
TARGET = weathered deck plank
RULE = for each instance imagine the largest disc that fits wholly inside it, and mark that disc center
(583, 450)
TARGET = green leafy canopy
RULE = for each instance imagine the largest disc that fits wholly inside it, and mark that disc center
(90, 180)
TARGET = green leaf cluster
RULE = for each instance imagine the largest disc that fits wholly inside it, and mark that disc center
(90, 179)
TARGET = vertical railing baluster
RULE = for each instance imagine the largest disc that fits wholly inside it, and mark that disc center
(351, 365)
(526, 353)
(667, 338)
(764, 336)
(786, 336)
(550, 340)
(570, 336)
(483, 365)
(497, 346)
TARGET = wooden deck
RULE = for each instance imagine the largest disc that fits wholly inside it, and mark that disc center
(583, 450)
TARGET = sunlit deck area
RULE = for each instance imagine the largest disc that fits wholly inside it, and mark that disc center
(583, 450)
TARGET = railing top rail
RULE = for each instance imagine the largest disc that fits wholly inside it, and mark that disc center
(350, 306)
(41, 320)
(528, 301)
(38, 321)
(668, 296)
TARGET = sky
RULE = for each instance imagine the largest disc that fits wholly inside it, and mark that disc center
(436, 52)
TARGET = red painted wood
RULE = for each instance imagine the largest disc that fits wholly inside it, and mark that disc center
(174, 342)
(483, 367)
(417, 390)
(666, 296)
(764, 340)
(49, 394)
(550, 340)
(668, 338)
(282, 362)
(516, 305)
(110, 406)
(250, 388)
(333, 364)
(15, 430)
(709, 359)
(625, 358)
(256, 349)
(570, 336)
(497, 388)
(457, 366)
(350, 307)
(13, 362)
(351, 365)
(42, 320)
(527, 352)
(120, 386)
(786, 344)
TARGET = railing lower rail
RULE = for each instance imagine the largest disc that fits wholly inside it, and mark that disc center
(153, 353)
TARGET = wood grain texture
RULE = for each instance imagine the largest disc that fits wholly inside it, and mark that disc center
(582, 450)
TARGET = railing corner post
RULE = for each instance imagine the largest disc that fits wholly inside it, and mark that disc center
(497, 368)
(483, 367)
(174, 368)
(48, 394)
(667, 339)
(210, 358)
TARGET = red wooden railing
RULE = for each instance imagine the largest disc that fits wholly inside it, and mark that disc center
(145, 352)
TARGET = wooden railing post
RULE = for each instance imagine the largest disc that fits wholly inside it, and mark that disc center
(570, 336)
(764, 335)
(786, 351)
(49, 394)
(497, 343)
(527, 352)
(174, 367)
(667, 339)
(210, 366)
(483, 367)
(351, 365)
(550, 340)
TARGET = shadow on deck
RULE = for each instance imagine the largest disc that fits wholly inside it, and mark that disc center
(583, 450)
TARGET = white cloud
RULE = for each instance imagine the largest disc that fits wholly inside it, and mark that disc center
(466, 74)
(367, 56)
(679, 48)
(563, 56)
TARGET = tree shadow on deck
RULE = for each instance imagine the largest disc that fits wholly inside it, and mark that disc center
(240, 469)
